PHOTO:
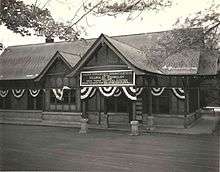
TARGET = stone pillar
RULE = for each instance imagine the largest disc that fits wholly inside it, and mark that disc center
(104, 120)
(150, 123)
(134, 128)
(84, 126)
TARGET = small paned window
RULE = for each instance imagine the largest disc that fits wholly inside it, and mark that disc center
(160, 104)
(1, 103)
(117, 104)
(68, 99)
(52, 97)
(5, 102)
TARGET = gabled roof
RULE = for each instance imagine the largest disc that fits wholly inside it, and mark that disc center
(174, 52)
(208, 62)
(72, 59)
(134, 56)
(184, 62)
(29, 61)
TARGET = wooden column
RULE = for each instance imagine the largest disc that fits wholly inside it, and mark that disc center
(84, 109)
(186, 103)
(198, 89)
(150, 102)
(98, 106)
(133, 110)
(186, 91)
(78, 99)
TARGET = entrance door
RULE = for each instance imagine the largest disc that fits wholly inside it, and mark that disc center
(119, 110)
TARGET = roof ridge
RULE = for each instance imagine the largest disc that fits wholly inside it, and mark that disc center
(42, 43)
(124, 43)
(68, 53)
(143, 33)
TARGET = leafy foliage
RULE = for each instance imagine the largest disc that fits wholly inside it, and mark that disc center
(209, 19)
(30, 19)
(24, 19)
(117, 7)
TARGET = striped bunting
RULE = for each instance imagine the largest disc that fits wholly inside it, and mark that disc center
(179, 93)
(87, 92)
(34, 93)
(157, 91)
(107, 91)
(18, 93)
(3, 93)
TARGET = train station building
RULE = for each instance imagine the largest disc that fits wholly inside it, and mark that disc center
(157, 79)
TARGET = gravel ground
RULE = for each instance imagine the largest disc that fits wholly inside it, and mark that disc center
(56, 148)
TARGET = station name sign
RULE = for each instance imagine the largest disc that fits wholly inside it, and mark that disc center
(107, 78)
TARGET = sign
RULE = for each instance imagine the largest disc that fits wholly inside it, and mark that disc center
(107, 78)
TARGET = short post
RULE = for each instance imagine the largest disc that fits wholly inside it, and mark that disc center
(150, 123)
(84, 126)
(104, 121)
(134, 128)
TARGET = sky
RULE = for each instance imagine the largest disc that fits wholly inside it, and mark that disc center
(64, 10)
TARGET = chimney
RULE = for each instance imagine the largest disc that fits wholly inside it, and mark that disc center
(49, 39)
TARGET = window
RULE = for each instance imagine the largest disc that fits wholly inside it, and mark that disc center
(160, 104)
(5, 102)
(1, 103)
(117, 104)
(68, 99)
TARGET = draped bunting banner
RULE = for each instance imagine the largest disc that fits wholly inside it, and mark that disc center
(92, 92)
(59, 92)
(87, 92)
(179, 93)
(34, 93)
(107, 91)
(157, 91)
(117, 92)
(3, 93)
(18, 92)
(129, 92)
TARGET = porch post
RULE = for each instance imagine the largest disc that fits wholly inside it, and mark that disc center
(198, 90)
(105, 119)
(84, 120)
(186, 103)
(150, 119)
(150, 102)
(84, 109)
(133, 110)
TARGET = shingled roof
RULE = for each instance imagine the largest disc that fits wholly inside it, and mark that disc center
(28, 61)
(174, 52)
(136, 57)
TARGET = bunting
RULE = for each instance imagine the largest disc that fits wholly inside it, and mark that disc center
(157, 91)
(92, 92)
(18, 93)
(129, 92)
(33, 92)
(3, 93)
(117, 92)
(87, 92)
(107, 91)
(59, 92)
(179, 93)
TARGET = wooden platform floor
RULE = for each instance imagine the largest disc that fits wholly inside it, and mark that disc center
(55, 148)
